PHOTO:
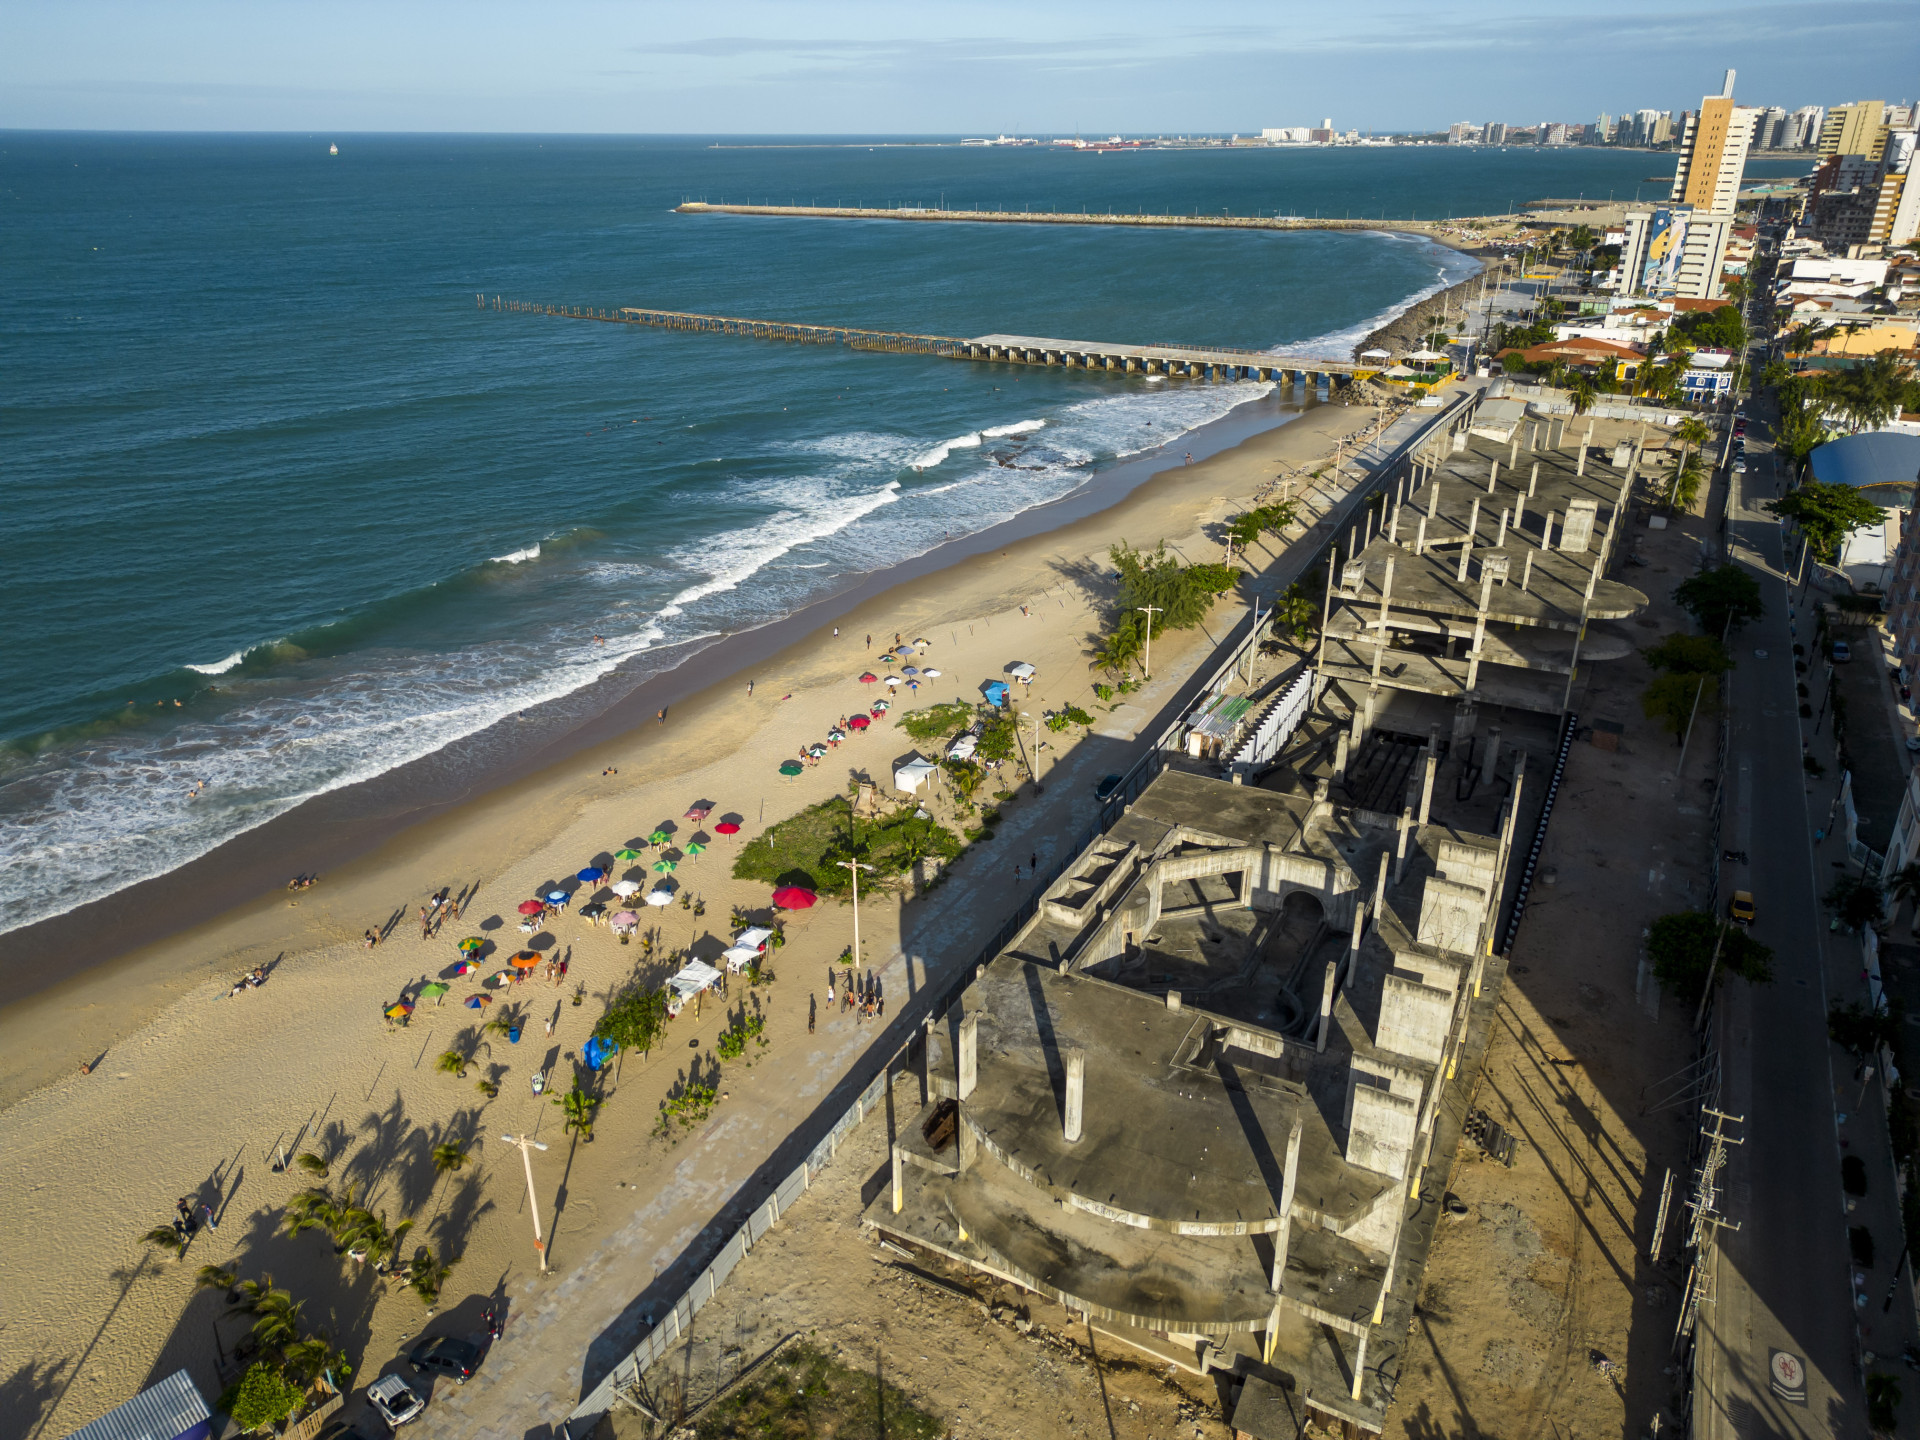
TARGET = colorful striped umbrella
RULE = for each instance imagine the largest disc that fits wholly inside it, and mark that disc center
(479, 1002)
(471, 943)
(399, 1011)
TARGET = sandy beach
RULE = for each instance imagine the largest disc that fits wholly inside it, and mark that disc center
(198, 1093)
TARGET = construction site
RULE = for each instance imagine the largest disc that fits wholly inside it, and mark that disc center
(1264, 1115)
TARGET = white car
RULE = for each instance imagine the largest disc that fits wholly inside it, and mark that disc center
(396, 1401)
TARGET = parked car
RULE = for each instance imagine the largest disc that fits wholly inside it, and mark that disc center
(1739, 467)
(365, 1428)
(1740, 908)
(396, 1401)
(1842, 652)
(444, 1355)
(1108, 784)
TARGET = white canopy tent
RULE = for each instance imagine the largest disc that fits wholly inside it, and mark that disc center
(912, 775)
(1023, 672)
(748, 946)
(682, 986)
(963, 747)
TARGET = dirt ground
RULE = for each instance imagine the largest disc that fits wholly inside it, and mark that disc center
(1540, 1313)
(988, 1360)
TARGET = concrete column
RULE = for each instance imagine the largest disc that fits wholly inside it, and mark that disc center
(1479, 633)
(1546, 531)
(1533, 482)
(1076, 1092)
(899, 1186)
(1505, 515)
(1533, 437)
(1326, 1005)
(926, 1061)
(1513, 451)
(1360, 1364)
(1466, 547)
(1289, 1179)
(1420, 537)
(1380, 891)
(1380, 640)
(1400, 846)
(1426, 785)
(1433, 500)
(1519, 514)
(1580, 465)
(1393, 526)
(1356, 934)
(968, 1056)
(1493, 475)
(1487, 775)
(1341, 750)
(1173, 999)
(1526, 573)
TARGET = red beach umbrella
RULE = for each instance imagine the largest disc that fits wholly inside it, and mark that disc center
(726, 827)
(867, 677)
(531, 907)
(858, 722)
(792, 897)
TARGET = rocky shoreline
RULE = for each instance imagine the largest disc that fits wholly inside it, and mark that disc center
(1403, 332)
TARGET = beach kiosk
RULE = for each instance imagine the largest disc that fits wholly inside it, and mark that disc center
(748, 946)
(1023, 672)
(914, 773)
(170, 1410)
(687, 983)
(963, 746)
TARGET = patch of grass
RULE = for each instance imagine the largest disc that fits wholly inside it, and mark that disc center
(803, 1393)
(806, 849)
(936, 722)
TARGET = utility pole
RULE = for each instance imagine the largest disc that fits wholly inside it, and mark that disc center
(856, 867)
(526, 1144)
(1707, 1219)
(1151, 611)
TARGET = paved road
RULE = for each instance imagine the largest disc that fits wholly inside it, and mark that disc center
(1783, 1279)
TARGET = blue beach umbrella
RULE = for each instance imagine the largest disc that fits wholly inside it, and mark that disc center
(592, 875)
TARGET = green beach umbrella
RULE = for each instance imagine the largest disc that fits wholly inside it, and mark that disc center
(471, 943)
(432, 990)
(658, 837)
(666, 867)
(626, 857)
(696, 848)
(791, 767)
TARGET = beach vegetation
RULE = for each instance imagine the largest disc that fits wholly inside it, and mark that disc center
(214, 1277)
(1060, 719)
(577, 1106)
(1682, 946)
(633, 1019)
(1156, 593)
(314, 1164)
(689, 1105)
(488, 1088)
(1725, 595)
(998, 735)
(261, 1399)
(452, 1062)
(1856, 902)
(807, 849)
(1296, 615)
(805, 1391)
(936, 722)
(733, 1041)
(165, 1237)
(425, 1274)
(1826, 514)
(448, 1157)
(1262, 520)
(1673, 700)
(1103, 690)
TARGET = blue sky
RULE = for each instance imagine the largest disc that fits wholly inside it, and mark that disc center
(814, 67)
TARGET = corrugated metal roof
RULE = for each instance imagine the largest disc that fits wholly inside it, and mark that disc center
(160, 1412)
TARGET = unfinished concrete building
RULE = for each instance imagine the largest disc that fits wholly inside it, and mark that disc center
(1207, 1096)
(1478, 587)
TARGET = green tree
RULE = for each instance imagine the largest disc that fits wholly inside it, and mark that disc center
(1120, 650)
(448, 1157)
(1861, 1031)
(425, 1275)
(1683, 485)
(1681, 948)
(1855, 902)
(452, 1062)
(1582, 393)
(937, 722)
(633, 1020)
(1673, 699)
(1870, 393)
(578, 1106)
(1689, 655)
(1296, 615)
(165, 1237)
(315, 1165)
(261, 1399)
(1719, 596)
(1827, 514)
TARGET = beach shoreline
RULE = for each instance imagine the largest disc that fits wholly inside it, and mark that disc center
(149, 942)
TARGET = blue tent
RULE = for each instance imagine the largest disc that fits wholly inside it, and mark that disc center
(995, 691)
(597, 1052)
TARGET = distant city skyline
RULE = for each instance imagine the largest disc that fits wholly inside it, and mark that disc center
(867, 68)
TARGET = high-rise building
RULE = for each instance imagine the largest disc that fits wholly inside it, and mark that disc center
(1603, 129)
(1496, 132)
(1662, 130)
(1769, 128)
(1803, 128)
(1462, 132)
(1553, 134)
(1856, 129)
(1677, 249)
(1865, 199)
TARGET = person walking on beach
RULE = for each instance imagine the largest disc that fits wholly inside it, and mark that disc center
(662, 716)
(749, 689)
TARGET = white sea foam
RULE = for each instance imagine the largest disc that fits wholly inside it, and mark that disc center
(940, 452)
(220, 667)
(1018, 427)
(519, 557)
(1450, 268)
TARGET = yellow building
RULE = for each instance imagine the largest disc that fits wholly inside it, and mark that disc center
(1856, 129)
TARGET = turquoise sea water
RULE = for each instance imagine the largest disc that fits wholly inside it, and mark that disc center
(266, 458)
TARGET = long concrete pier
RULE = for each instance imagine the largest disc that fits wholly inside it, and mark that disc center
(1082, 217)
(1187, 362)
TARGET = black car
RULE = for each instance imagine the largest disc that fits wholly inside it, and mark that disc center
(1107, 786)
(365, 1428)
(446, 1356)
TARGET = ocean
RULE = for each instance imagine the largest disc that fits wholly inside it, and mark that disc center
(289, 508)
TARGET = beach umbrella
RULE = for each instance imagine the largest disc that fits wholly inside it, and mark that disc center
(920, 642)
(698, 812)
(931, 673)
(624, 888)
(726, 827)
(479, 1002)
(626, 917)
(596, 908)
(556, 897)
(816, 750)
(592, 875)
(532, 907)
(626, 857)
(657, 898)
(867, 677)
(526, 960)
(467, 967)
(880, 707)
(859, 722)
(658, 837)
(903, 649)
(665, 867)
(696, 848)
(791, 767)
(836, 734)
(792, 897)
(893, 680)
(472, 943)
(399, 1010)
(432, 990)
(499, 978)
(908, 670)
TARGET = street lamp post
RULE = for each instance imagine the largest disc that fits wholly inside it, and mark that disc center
(526, 1144)
(856, 867)
(1151, 611)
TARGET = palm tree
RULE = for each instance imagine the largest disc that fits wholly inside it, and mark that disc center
(579, 1107)
(452, 1062)
(1582, 393)
(213, 1277)
(306, 1360)
(315, 1165)
(316, 1209)
(165, 1237)
(278, 1320)
(425, 1275)
(449, 1157)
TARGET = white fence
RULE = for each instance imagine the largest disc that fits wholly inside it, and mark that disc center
(1275, 727)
